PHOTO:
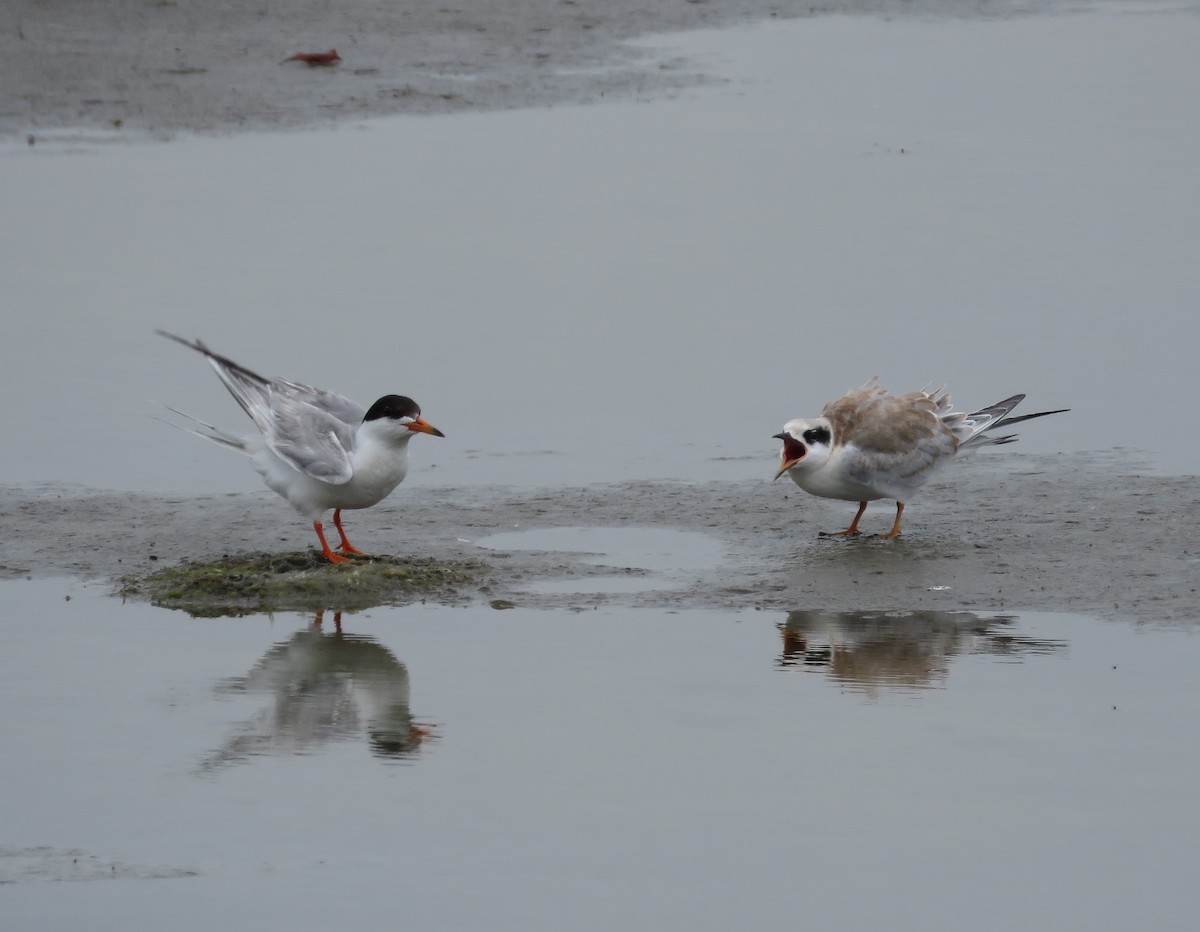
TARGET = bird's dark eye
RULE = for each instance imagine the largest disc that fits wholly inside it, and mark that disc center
(817, 435)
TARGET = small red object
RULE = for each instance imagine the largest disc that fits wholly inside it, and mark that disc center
(317, 58)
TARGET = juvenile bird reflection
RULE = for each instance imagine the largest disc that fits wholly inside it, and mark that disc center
(870, 651)
(324, 687)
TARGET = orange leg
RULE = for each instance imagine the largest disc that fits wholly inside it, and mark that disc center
(852, 530)
(346, 547)
(895, 531)
(329, 554)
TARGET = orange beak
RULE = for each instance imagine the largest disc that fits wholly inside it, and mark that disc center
(422, 426)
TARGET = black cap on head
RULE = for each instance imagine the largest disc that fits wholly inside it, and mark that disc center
(396, 406)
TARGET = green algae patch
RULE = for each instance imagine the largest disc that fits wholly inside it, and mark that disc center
(255, 583)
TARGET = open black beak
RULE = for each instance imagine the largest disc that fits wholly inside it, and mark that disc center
(792, 453)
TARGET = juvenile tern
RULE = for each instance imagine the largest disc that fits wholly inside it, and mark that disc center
(871, 444)
(315, 448)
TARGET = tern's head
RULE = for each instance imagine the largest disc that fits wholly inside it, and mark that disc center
(400, 417)
(806, 444)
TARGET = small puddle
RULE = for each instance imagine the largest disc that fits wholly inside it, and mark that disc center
(626, 559)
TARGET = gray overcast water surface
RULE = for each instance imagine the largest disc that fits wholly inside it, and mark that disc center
(441, 768)
(640, 290)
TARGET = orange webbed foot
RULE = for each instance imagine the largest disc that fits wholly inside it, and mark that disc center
(852, 530)
(346, 548)
(326, 550)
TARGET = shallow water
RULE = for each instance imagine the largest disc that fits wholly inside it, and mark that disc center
(465, 768)
(640, 290)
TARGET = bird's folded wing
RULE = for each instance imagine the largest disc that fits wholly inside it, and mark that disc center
(895, 472)
(332, 403)
(311, 439)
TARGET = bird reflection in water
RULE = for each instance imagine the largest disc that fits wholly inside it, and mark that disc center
(870, 651)
(325, 687)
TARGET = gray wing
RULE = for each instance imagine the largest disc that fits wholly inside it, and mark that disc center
(341, 408)
(310, 428)
(307, 428)
(897, 473)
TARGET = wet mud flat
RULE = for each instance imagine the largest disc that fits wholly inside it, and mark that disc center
(1087, 533)
(131, 67)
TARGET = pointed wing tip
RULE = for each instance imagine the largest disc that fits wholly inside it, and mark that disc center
(197, 345)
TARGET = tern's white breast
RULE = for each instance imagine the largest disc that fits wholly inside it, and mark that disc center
(378, 467)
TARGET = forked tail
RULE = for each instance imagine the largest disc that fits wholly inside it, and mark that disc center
(208, 432)
(973, 429)
(249, 389)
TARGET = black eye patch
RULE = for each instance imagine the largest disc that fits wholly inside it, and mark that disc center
(817, 435)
